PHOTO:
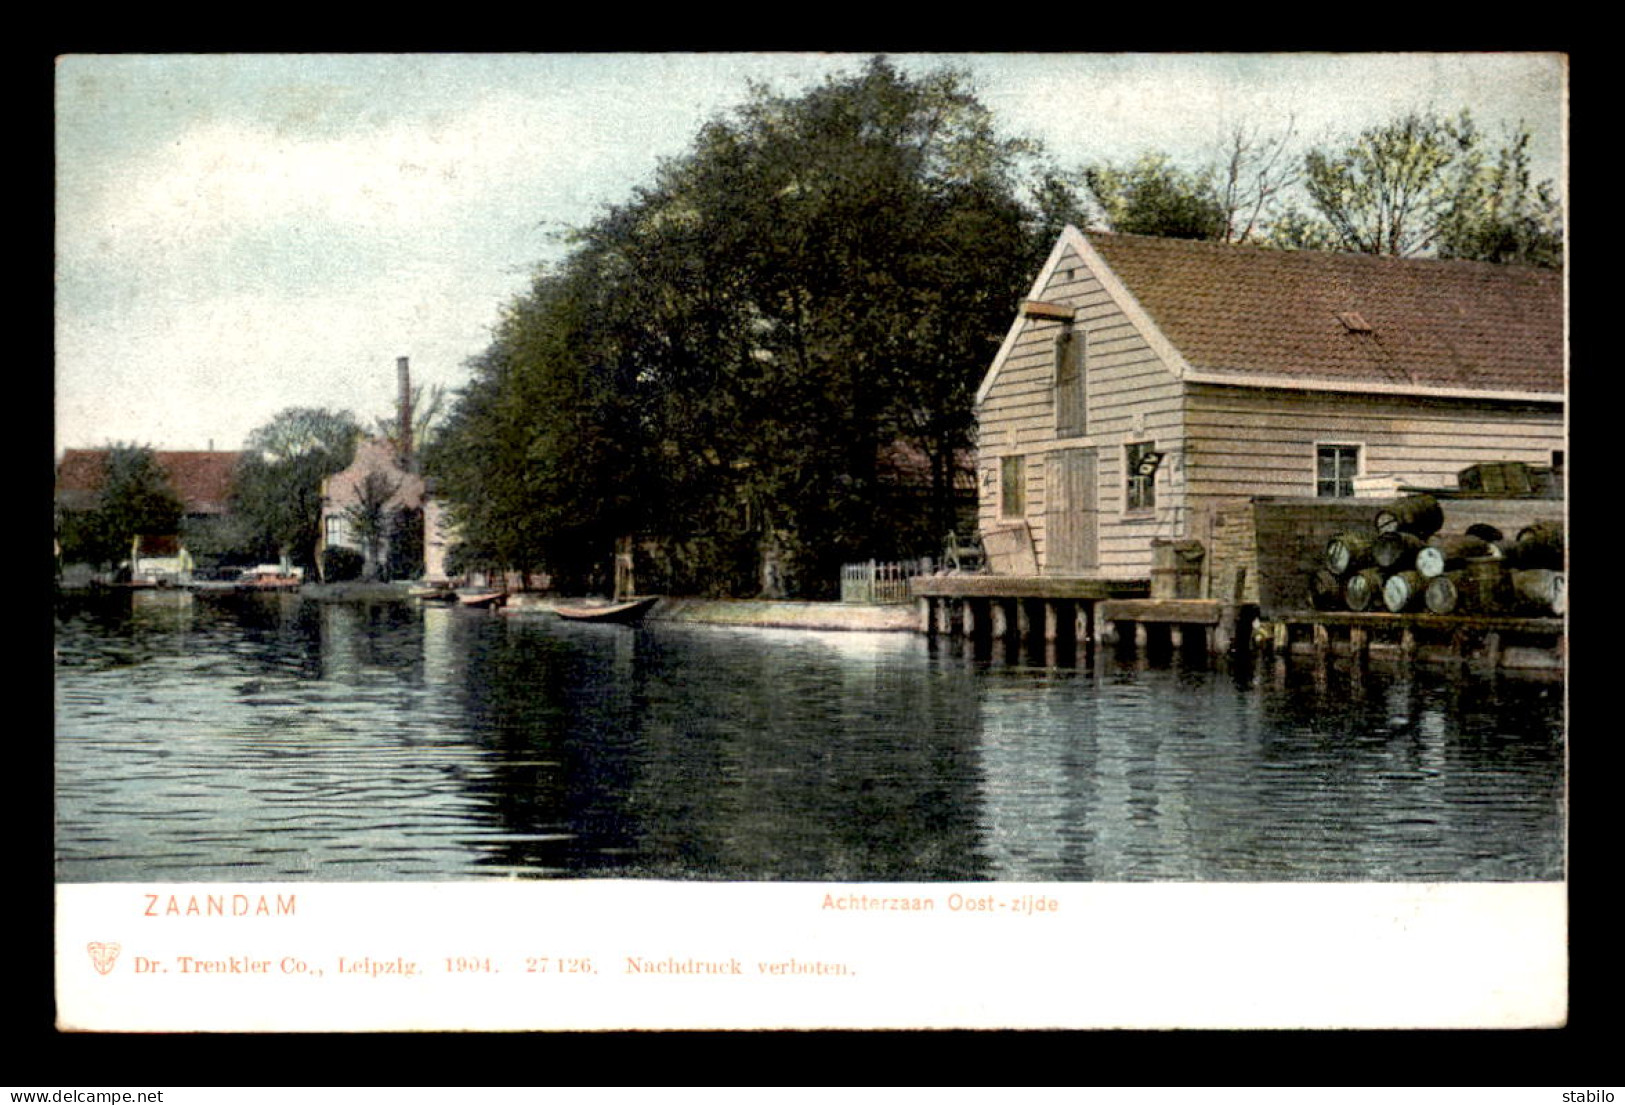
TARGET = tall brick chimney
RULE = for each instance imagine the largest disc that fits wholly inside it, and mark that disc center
(405, 411)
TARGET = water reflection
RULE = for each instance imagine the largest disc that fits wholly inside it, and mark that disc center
(272, 738)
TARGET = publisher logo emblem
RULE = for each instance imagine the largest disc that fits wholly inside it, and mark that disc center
(103, 956)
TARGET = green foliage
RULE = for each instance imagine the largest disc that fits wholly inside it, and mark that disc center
(1424, 184)
(1419, 185)
(340, 565)
(722, 360)
(1154, 197)
(134, 498)
(1502, 217)
(278, 487)
(1392, 188)
(369, 517)
(404, 535)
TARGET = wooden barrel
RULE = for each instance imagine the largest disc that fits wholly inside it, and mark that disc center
(1396, 550)
(1348, 552)
(1539, 546)
(1449, 593)
(1541, 591)
(1403, 591)
(1325, 590)
(1450, 553)
(1491, 584)
(1485, 532)
(1420, 515)
(1363, 591)
(1508, 477)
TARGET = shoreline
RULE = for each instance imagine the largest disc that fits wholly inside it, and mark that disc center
(759, 613)
(753, 613)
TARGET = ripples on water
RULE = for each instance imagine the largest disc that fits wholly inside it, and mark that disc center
(271, 738)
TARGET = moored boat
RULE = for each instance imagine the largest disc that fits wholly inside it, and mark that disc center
(628, 612)
(482, 599)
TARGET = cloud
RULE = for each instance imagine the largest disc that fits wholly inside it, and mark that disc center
(225, 178)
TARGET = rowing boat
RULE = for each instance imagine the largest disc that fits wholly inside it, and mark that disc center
(620, 613)
(432, 593)
(482, 599)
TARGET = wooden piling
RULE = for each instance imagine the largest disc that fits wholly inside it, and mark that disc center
(1323, 641)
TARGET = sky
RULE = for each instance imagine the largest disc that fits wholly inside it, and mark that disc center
(238, 234)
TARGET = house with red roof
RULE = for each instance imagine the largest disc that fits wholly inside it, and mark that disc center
(1147, 382)
(382, 480)
(201, 479)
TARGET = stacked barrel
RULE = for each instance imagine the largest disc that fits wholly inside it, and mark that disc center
(1403, 563)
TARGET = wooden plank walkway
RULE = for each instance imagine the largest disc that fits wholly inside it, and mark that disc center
(1163, 611)
(1493, 641)
(1025, 587)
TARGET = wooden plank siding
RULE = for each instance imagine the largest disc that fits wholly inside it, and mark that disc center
(1224, 442)
(1250, 442)
(1130, 396)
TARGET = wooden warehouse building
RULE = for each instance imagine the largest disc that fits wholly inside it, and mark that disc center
(1151, 392)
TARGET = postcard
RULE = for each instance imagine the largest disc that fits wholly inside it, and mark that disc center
(810, 541)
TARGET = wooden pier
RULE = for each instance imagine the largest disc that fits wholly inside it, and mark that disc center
(1189, 625)
(1492, 643)
(998, 607)
(1089, 612)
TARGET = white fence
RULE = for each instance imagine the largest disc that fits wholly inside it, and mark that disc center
(876, 582)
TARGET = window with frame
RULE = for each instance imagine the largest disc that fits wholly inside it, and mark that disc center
(1139, 487)
(1335, 469)
(1013, 487)
(1071, 393)
(338, 531)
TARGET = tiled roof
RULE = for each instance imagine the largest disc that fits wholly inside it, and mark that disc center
(1298, 314)
(202, 479)
(373, 456)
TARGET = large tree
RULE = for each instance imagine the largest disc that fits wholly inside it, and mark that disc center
(1425, 184)
(724, 359)
(1504, 216)
(278, 485)
(1155, 197)
(1231, 197)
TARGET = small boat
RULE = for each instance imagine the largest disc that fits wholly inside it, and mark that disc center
(482, 599)
(629, 612)
(431, 593)
(270, 583)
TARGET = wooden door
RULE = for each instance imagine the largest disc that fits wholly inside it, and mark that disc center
(1070, 520)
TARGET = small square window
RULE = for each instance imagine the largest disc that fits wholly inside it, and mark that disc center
(1335, 469)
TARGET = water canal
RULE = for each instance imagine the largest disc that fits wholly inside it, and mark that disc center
(271, 739)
